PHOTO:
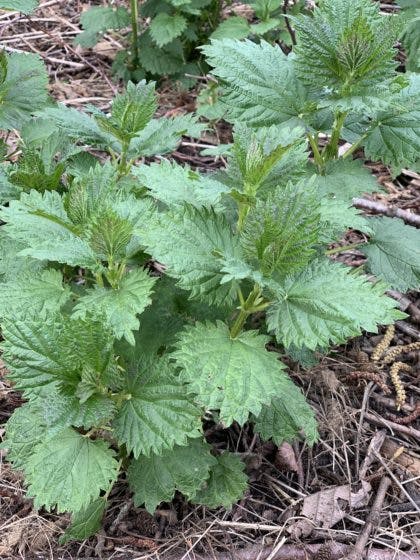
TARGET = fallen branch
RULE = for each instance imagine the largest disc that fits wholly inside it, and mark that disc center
(391, 211)
(373, 519)
(407, 430)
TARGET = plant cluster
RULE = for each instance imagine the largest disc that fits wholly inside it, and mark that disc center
(120, 364)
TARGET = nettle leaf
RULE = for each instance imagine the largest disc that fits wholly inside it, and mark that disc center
(234, 27)
(86, 522)
(68, 471)
(109, 236)
(24, 430)
(258, 159)
(192, 244)
(346, 48)
(24, 6)
(164, 28)
(130, 111)
(326, 304)
(280, 232)
(165, 60)
(337, 216)
(226, 485)
(175, 185)
(40, 221)
(8, 190)
(259, 84)
(236, 375)
(344, 179)
(287, 417)
(23, 88)
(393, 136)
(56, 350)
(62, 410)
(120, 306)
(158, 412)
(155, 479)
(163, 135)
(99, 19)
(13, 265)
(394, 253)
(32, 294)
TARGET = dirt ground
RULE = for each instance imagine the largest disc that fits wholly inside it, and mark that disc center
(356, 491)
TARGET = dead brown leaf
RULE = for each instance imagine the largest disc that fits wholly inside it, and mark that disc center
(285, 458)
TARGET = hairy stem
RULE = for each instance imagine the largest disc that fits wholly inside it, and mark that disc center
(134, 9)
(343, 248)
(252, 304)
(354, 146)
(331, 149)
(315, 150)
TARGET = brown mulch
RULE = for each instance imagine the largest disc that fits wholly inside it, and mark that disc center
(319, 498)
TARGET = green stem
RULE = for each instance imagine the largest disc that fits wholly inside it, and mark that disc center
(253, 303)
(355, 146)
(343, 248)
(239, 323)
(134, 9)
(99, 280)
(331, 149)
(315, 150)
(122, 166)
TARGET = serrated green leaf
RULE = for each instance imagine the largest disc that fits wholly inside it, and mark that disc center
(99, 19)
(24, 90)
(24, 430)
(86, 522)
(236, 375)
(12, 265)
(32, 294)
(175, 185)
(119, 305)
(40, 222)
(109, 236)
(287, 417)
(164, 28)
(234, 27)
(259, 84)
(158, 412)
(394, 253)
(280, 233)
(24, 6)
(226, 485)
(130, 111)
(8, 190)
(326, 304)
(56, 350)
(393, 137)
(163, 135)
(344, 179)
(346, 48)
(155, 479)
(68, 471)
(193, 244)
(337, 216)
(160, 61)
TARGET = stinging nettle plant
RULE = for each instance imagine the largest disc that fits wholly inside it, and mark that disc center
(119, 364)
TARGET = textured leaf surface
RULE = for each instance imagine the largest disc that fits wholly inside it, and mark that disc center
(174, 184)
(160, 61)
(164, 28)
(31, 294)
(337, 216)
(226, 485)
(24, 90)
(120, 306)
(234, 27)
(287, 417)
(86, 522)
(259, 83)
(163, 135)
(394, 135)
(280, 232)
(155, 479)
(345, 179)
(40, 222)
(236, 376)
(69, 471)
(193, 244)
(325, 304)
(159, 413)
(394, 253)
(24, 430)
